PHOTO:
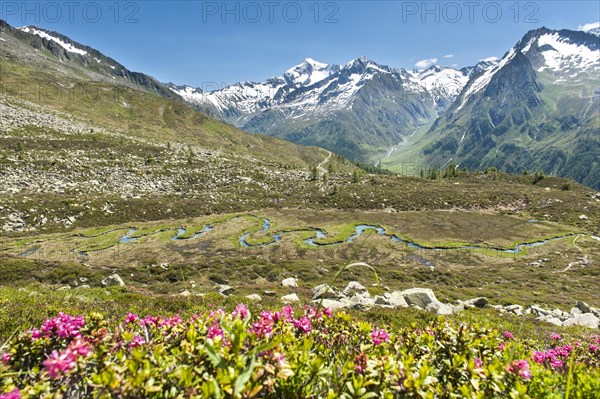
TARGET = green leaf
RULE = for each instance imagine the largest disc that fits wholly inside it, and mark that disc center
(244, 377)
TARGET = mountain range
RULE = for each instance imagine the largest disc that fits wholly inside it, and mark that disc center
(537, 108)
(355, 109)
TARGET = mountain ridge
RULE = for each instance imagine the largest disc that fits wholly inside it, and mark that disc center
(337, 107)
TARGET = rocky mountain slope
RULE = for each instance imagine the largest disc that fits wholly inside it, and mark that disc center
(75, 131)
(37, 46)
(537, 109)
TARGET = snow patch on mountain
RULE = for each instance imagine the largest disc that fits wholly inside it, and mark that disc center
(527, 47)
(490, 59)
(67, 46)
(188, 93)
(561, 54)
(443, 83)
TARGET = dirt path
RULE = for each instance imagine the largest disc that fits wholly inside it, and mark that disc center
(577, 262)
(320, 166)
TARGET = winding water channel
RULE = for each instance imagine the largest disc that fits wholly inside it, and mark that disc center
(319, 234)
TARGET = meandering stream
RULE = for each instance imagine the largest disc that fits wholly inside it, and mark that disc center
(319, 234)
(317, 238)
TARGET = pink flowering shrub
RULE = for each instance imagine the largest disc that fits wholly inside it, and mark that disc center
(378, 336)
(286, 353)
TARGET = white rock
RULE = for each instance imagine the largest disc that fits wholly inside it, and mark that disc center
(224, 290)
(324, 291)
(290, 282)
(396, 299)
(333, 304)
(354, 287)
(440, 308)
(555, 321)
(290, 298)
(536, 310)
(584, 319)
(361, 302)
(113, 280)
(254, 297)
(419, 297)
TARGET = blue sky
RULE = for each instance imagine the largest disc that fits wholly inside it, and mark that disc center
(208, 43)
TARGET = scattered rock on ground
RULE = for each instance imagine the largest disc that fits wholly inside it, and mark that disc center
(324, 291)
(440, 308)
(290, 282)
(354, 287)
(480, 302)
(291, 298)
(224, 290)
(332, 304)
(254, 297)
(585, 319)
(419, 297)
(113, 280)
(396, 299)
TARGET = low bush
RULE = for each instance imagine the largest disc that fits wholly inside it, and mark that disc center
(287, 353)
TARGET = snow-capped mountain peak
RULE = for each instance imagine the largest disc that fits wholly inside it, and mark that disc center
(443, 83)
(309, 72)
(562, 55)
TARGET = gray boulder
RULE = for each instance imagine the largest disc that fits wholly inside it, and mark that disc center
(396, 299)
(333, 304)
(554, 320)
(324, 291)
(381, 300)
(290, 282)
(291, 298)
(516, 309)
(419, 297)
(575, 311)
(480, 302)
(254, 297)
(113, 280)
(361, 302)
(354, 287)
(440, 308)
(585, 319)
(584, 307)
(224, 290)
(537, 311)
